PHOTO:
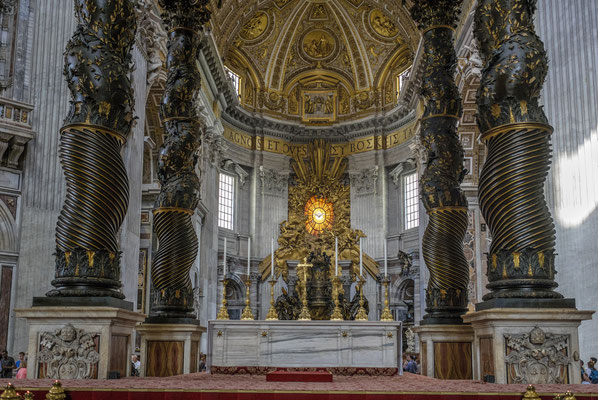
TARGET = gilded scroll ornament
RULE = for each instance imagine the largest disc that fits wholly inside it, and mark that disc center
(515, 128)
(445, 202)
(97, 67)
(179, 193)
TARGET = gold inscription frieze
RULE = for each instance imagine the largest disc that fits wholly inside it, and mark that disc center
(279, 146)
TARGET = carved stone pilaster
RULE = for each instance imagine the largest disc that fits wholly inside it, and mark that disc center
(443, 199)
(397, 172)
(517, 134)
(97, 70)
(213, 148)
(231, 166)
(151, 37)
(272, 182)
(179, 194)
(365, 181)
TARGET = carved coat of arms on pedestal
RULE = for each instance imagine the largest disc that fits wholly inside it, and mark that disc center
(68, 353)
(537, 357)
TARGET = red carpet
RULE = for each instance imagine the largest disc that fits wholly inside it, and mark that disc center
(255, 387)
(299, 376)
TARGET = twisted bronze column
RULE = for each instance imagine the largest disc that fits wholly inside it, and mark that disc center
(175, 205)
(97, 67)
(445, 203)
(516, 131)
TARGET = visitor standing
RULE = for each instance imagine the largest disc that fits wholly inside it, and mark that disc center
(20, 360)
(585, 379)
(591, 370)
(8, 365)
(135, 365)
(202, 362)
(22, 371)
(411, 365)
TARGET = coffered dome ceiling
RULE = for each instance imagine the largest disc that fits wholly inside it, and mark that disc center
(317, 62)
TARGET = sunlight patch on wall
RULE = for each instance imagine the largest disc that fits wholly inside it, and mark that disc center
(576, 191)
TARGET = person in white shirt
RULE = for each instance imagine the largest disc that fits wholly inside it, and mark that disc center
(136, 365)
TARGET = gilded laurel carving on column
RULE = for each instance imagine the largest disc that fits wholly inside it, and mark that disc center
(179, 193)
(515, 128)
(97, 67)
(445, 202)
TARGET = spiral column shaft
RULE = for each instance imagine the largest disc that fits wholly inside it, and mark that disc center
(97, 67)
(445, 203)
(172, 295)
(516, 131)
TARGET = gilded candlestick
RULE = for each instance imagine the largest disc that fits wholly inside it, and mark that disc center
(272, 314)
(362, 314)
(305, 315)
(223, 313)
(386, 314)
(247, 313)
(337, 314)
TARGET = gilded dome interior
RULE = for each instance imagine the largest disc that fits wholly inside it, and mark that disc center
(316, 62)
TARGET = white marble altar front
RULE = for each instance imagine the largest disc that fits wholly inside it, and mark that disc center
(304, 344)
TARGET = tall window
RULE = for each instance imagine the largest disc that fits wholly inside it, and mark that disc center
(226, 205)
(236, 80)
(410, 194)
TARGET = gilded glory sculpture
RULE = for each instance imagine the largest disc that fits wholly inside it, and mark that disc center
(172, 294)
(517, 134)
(97, 67)
(319, 211)
(445, 202)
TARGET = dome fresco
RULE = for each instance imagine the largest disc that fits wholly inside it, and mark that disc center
(316, 62)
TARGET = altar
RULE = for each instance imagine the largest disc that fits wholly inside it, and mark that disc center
(342, 347)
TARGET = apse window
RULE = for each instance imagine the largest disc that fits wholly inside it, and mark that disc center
(401, 80)
(236, 79)
(226, 196)
(410, 194)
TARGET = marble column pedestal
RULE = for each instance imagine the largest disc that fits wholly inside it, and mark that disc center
(527, 345)
(76, 342)
(169, 349)
(446, 351)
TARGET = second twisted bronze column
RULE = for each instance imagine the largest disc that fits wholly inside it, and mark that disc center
(443, 199)
(172, 295)
(516, 131)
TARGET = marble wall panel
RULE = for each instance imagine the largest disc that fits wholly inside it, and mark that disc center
(5, 295)
(570, 97)
(164, 358)
(486, 357)
(119, 354)
(452, 360)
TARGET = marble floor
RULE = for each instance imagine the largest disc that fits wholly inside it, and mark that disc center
(223, 387)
